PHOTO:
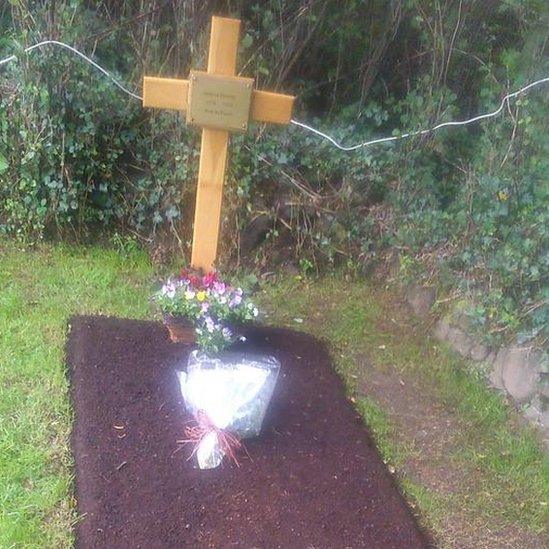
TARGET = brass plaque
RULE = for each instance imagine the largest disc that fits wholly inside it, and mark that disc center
(221, 102)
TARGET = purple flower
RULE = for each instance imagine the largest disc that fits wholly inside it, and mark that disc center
(219, 287)
(236, 300)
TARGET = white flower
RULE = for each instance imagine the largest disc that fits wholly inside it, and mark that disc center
(255, 311)
(168, 290)
(189, 294)
(210, 326)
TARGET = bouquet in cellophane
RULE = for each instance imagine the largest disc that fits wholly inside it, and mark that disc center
(227, 395)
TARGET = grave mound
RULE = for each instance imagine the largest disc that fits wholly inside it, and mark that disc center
(312, 479)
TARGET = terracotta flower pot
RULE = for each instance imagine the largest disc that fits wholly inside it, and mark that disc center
(180, 328)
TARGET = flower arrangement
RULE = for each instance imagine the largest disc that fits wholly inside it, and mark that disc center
(212, 306)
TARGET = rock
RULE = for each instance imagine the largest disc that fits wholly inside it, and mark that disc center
(545, 386)
(479, 352)
(539, 417)
(457, 338)
(519, 368)
(461, 319)
(421, 298)
(441, 330)
(544, 420)
(459, 341)
(496, 375)
(533, 412)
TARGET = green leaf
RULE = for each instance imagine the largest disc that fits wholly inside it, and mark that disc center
(3, 164)
(247, 41)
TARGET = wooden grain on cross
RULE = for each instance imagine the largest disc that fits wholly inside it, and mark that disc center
(262, 106)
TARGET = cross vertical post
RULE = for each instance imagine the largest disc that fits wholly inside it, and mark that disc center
(213, 155)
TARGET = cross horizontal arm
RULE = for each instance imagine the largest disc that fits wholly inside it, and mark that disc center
(165, 93)
(272, 107)
(172, 93)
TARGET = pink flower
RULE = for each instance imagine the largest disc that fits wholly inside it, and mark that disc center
(210, 279)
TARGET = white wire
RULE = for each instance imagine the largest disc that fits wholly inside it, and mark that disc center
(81, 55)
(296, 122)
(421, 132)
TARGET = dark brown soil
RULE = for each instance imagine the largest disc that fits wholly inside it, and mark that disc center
(314, 480)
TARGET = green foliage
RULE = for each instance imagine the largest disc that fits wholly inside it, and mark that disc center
(77, 156)
(488, 229)
(504, 471)
(75, 153)
(36, 477)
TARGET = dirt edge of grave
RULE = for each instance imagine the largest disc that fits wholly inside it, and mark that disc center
(273, 449)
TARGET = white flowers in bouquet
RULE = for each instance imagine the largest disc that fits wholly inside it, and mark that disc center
(228, 396)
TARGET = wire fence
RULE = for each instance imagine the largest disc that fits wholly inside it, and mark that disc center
(329, 138)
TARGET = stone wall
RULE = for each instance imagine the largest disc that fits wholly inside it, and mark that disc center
(520, 371)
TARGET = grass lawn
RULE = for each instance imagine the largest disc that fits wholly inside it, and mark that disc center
(40, 289)
(482, 480)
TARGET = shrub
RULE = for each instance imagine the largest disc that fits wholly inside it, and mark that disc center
(78, 156)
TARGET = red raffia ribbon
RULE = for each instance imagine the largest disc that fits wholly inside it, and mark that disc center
(201, 426)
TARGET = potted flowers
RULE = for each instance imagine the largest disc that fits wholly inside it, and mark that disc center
(227, 392)
(204, 309)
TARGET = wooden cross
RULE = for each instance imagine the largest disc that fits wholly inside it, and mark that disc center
(219, 102)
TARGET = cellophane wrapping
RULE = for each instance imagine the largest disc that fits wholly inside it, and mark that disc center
(233, 390)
